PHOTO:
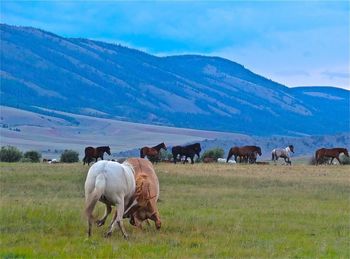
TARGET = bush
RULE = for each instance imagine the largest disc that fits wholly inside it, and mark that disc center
(10, 154)
(344, 159)
(165, 155)
(31, 156)
(324, 160)
(213, 153)
(69, 156)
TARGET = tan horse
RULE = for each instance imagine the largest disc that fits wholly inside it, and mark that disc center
(144, 204)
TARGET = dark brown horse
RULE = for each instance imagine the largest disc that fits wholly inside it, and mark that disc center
(188, 151)
(152, 153)
(330, 153)
(245, 153)
(95, 153)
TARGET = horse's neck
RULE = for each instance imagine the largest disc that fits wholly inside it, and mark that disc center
(158, 147)
(287, 149)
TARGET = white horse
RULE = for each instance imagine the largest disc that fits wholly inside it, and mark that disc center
(113, 184)
(284, 153)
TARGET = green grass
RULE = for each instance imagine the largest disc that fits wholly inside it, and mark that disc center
(207, 210)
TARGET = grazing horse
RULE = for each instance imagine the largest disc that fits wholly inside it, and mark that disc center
(330, 153)
(144, 203)
(188, 151)
(114, 185)
(91, 153)
(245, 153)
(284, 153)
(152, 153)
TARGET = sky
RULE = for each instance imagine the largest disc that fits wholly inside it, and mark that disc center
(296, 43)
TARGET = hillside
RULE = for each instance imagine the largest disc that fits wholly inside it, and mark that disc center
(81, 76)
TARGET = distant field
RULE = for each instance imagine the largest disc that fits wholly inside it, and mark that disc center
(207, 210)
(51, 135)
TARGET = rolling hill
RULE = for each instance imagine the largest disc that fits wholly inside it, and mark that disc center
(43, 70)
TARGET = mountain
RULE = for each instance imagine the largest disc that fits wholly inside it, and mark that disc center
(42, 70)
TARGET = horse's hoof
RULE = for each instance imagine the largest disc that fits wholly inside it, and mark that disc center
(100, 223)
(126, 237)
(108, 234)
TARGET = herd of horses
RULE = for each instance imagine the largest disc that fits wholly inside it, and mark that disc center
(243, 154)
(133, 186)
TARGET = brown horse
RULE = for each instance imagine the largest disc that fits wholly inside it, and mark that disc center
(95, 153)
(330, 153)
(152, 153)
(245, 153)
(143, 205)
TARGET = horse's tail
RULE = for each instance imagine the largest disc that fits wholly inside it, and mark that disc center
(229, 156)
(316, 156)
(93, 197)
(273, 155)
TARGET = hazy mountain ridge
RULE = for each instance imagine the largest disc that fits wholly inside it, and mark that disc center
(106, 80)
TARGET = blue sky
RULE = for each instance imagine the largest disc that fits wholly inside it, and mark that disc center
(292, 42)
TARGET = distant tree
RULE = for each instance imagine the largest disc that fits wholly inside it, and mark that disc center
(69, 156)
(32, 156)
(214, 153)
(10, 154)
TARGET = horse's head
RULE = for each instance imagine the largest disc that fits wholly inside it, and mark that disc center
(197, 149)
(108, 150)
(291, 147)
(163, 146)
(259, 151)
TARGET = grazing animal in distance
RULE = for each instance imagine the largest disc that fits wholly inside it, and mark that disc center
(244, 153)
(152, 153)
(330, 153)
(144, 203)
(95, 153)
(188, 151)
(114, 185)
(284, 153)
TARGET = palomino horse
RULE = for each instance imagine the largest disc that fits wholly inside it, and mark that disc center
(284, 153)
(91, 153)
(114, 185)
(188, 151)
(330, 153)
(245, 153)
(144, 204)
(152, 153)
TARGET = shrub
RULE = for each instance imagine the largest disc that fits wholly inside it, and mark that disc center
(31, 156)
(69, 156)
(344, 159)
(10, 154)
(324, 160)
(165, 155)
(213, 153)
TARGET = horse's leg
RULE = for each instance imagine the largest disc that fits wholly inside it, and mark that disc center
(84, 160)
(337, 157)
(117, 219)
(101, 222)
(192, 161)
(332, 161)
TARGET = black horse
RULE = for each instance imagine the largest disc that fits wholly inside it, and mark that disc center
(91, 153)
(186, 151)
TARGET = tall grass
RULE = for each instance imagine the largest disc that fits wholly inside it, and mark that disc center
(207, 210)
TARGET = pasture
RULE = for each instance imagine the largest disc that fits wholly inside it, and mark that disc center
(207, 210)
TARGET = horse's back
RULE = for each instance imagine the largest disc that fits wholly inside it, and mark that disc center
(119, 178)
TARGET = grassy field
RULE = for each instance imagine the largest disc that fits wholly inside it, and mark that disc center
(207, 210)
